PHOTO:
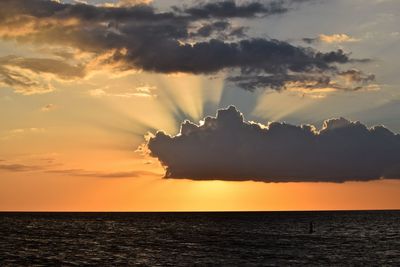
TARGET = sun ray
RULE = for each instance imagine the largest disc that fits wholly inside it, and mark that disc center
(276, 106)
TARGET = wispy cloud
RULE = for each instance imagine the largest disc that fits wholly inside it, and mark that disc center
(337, 38)
(19, 167)
(96, 174)
(127, 3)
(21, 131)
(33, 75)
(48, 107)
(47, 165)
(333, 38)
(141, 91)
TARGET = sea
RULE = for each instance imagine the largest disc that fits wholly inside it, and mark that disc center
(314, 238)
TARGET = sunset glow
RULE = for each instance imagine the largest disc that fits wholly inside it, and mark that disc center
(82, 95)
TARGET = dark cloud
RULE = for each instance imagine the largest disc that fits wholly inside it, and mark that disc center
(270, 56)
(84, 12)
(208, 29)
(226, 147)
(310, 40)
(357, 76)
(230, 9)
(140, 37)
(221, 30)
(281, 81)
(349, 80)
(238, 32)
(333, 57)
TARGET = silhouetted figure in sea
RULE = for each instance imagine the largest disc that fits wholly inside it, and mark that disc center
(311, 228)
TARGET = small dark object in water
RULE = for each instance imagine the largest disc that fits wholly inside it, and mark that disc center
(311, 228)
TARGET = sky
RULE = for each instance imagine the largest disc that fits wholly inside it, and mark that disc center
(164, 105)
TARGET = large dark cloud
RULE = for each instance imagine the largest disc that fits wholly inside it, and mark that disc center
(226, 147)
(230, 9)
(271, 56)
(141, 37)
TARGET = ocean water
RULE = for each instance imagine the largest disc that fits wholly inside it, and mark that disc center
(342, 238)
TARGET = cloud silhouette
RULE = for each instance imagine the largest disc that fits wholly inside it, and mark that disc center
(227, 147)
(140, 37)
(230, 9)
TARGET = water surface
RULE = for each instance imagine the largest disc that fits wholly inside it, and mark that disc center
(341, 238)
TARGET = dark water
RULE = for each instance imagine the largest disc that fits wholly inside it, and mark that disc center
(370, 238)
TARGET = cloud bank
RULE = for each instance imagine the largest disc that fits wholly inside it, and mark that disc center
(197, 39)
(227, 147)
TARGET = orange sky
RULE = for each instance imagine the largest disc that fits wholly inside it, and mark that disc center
(68, 193)
(42, 190)
(66, 150)
(72, 120)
